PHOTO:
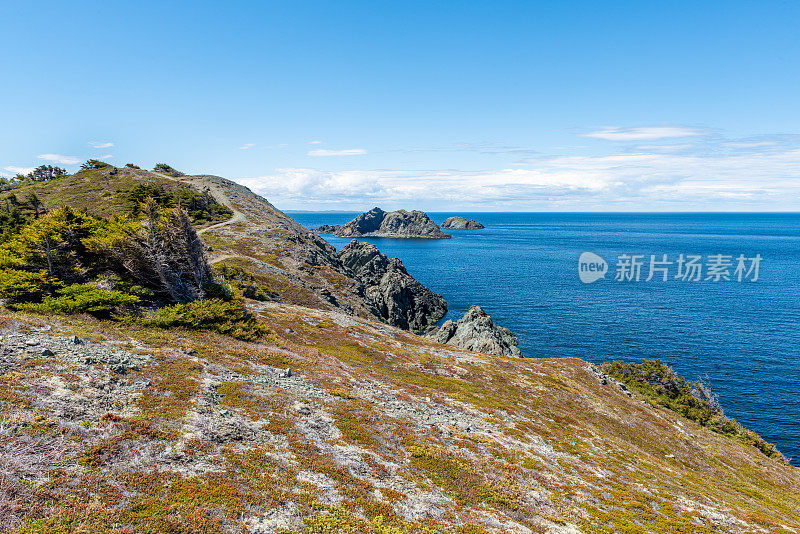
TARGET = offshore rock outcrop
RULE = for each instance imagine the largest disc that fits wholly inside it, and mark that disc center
(397, 224)
(461, 223)
(398, 299)
(326, 229)
(477, 332)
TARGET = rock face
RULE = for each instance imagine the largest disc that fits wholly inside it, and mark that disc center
(398, 224)
(398, 299)
(326, 229)
(461, 223)
(477, 332)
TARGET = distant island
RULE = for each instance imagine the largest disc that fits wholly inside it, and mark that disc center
(461, 223)
(400, 224)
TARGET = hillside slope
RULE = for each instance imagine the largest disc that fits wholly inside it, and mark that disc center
(340, 424)
(284, 258)
(335, 422)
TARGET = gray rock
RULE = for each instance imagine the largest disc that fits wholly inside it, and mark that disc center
(477, 332)
(327, 229)
(396, 297)
(398, 224)
(461, 223)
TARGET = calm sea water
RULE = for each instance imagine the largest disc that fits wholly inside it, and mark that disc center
(523, 270)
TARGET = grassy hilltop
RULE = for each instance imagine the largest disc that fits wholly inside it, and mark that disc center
(241, 383)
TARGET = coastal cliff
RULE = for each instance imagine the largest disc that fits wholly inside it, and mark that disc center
(397, 297)
(283, 400)
(397, 224)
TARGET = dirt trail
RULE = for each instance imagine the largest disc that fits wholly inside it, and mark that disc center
(216, 191)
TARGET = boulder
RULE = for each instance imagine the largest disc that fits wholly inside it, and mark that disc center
(461, 223)
(397, 224)
(477, 332)
(397, 298)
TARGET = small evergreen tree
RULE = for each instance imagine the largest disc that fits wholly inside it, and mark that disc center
(94, 164)
(44, 173)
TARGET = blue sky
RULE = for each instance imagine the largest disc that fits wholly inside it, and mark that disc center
(566, 106)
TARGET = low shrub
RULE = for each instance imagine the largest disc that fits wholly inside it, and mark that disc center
(20, 286)
(226, 317)
(661, 385)
(167, 169)
(245, 282)
(80, 298)
(201, 206)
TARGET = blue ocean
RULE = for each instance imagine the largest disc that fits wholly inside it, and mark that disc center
(523, 270)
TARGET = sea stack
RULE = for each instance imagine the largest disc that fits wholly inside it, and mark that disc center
(397, 224)
(461, 223)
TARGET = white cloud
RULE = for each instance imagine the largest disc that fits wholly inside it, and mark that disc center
(58, 158)
(97, 144)
(643, 133)
(19, 170)
(749, 144)
(315, 142)
(709, 180)
(663, 148)
(348, 152)
(107, 156)
(246, 146)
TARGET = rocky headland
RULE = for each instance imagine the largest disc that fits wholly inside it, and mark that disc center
(307, 405)
(326, 229)
(476, 331)
(397, 298)
(397, 224)
(461, 223)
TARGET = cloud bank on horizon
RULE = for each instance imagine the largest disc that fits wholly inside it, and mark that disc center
(692, 169)
(643, 168)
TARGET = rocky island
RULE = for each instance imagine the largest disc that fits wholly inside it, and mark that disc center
(461, 223)
(326, 229)
(397, 224)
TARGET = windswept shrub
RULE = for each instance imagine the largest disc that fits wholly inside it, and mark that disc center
(94, 164)
(81, 298)
(54, 243)
(167, 169)
(201, 206)
(162, 252)
(226, 317)
(661, 385)
(12, 220)
(21, 286)
(244, 282)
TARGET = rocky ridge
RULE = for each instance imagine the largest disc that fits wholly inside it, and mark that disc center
(476, 331)
(461, 223)
(288, 262)
(397, 297)
(396, 224)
